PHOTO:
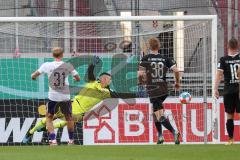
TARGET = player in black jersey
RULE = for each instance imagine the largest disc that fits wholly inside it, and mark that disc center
(154, 67)
(228, 67)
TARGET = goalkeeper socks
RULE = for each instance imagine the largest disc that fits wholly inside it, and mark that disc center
(70, 134)
(159, 128)
(230, 127)
(39, 125)
(52, 136)
(165, 122)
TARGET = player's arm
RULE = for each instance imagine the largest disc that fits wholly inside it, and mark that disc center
(219, 76)
(76, 78)
(238, 71)
(91, 76)
(171, 64)
(75, 75)
(177, 76)
(122, 95)
(142, 70)
(114, 94)
(218, 79)
(73, 72)
(42, 69)
(35, 74)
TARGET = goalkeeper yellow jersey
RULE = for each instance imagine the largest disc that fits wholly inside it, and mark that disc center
(89, 96)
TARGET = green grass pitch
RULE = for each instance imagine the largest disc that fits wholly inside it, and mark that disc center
(143, 152)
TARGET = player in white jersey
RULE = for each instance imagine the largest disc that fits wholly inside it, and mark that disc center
(59, 93)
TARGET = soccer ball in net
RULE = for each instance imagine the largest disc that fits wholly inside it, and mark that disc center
(185, 97)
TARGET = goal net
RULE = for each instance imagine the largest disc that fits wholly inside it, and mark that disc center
(120, 43)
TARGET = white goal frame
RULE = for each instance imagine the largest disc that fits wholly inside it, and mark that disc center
(212, 18)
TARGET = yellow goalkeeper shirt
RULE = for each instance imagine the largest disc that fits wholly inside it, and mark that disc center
(88, 97)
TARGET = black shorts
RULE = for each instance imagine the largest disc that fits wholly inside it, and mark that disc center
(157, 90)
(231, 103)
(157, 102)
(65, 107)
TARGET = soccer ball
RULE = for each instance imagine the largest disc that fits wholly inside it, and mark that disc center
(185, 97)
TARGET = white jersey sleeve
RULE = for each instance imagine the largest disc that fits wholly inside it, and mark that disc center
(43, 68)
(74, 73)
(72, 70)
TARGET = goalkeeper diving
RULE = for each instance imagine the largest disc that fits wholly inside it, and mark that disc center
(93, 92)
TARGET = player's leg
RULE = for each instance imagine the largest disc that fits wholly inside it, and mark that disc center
(41, 125)
(51, 106)
(159, 117)
(165, 122)
(230, 128)
(238, 105)
(59, 115)
(59, 124)
(159, 113)
(38, 127)
(77, 117)
(50, 128)
(66, 109)
(238, 108)
(158, 126)
(70, 127)
(63, 123)
(229, 103)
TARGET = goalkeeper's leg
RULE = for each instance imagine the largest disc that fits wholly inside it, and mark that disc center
(59, 124)
(41, 126)
(38, 127)
(63, 123)
(70, 120)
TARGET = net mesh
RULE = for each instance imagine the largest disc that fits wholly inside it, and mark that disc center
(120, 46)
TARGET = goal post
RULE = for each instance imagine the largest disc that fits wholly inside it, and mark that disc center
(193, 45)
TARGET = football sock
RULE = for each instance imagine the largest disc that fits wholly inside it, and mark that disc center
(158, 125)
(230, 127)
(70, 134)
(159, 128)
(165, 122)
(52, 136)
